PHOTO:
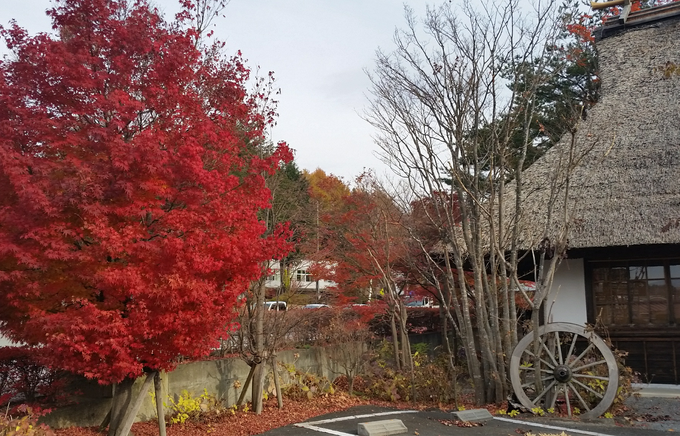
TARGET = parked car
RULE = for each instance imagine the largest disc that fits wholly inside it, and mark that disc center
(275, 305)
(315, 306)
(420, 302)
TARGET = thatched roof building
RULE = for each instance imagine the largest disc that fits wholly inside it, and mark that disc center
(622, 193)
(626, 188)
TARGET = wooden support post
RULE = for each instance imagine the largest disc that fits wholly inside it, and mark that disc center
(160, 411)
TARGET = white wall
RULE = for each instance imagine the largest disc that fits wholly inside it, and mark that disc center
(303, 265)
(567, 299)
(4, 342)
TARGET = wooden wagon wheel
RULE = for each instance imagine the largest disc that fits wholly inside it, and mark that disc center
(578, 372)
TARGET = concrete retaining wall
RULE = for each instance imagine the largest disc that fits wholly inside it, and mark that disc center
(216, 376)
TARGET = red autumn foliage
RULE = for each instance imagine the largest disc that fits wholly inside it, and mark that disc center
(363, 242)
(581, 31)
(129, 189)
(24, 380)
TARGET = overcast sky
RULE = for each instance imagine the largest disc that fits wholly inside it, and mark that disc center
(318, 50)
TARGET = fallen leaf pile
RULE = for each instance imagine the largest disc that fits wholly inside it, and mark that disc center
(648, 417)
(452, 423)
(547, 434)
(529, 433)
(241, 423)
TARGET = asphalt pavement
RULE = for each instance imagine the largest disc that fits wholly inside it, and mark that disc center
(647, 417)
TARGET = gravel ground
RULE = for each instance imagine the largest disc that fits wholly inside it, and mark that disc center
(655, 413)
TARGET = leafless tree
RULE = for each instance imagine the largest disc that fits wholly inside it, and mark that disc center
(448, 115)
(349, 337)
(262, 332)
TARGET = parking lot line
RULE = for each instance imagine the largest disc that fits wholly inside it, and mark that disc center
(551, 427)
(313, 425)
(368, 415)
(323, 430)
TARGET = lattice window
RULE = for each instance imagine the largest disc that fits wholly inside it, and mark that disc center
(637, 294)
(303, 275)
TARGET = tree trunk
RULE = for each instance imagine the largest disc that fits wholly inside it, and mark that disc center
(407, 358)
(277, 384)
(451, 357)
(122, 395)
(258, 387)
(105, 421)
(466, 330)
(126, 417)
(260, 358)
(485, 305)
(160, 411)
(406, 361)
(496, 333)
(535, 318)
(395, 339)
(244, 389)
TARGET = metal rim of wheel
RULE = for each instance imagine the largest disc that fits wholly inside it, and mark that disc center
(565, 372)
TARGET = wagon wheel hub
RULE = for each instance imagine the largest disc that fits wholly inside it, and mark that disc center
(562, 373)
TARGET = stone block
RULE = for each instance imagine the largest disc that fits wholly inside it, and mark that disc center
(474, 415)
(385, 427)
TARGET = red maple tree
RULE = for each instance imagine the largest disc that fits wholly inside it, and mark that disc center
(356, 246)
(364, 245)
(130, 182)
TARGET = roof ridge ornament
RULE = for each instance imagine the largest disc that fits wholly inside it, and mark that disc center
(627, 4)
(633, 17)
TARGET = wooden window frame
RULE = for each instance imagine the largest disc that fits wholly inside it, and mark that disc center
(592, 308)
(305, 275)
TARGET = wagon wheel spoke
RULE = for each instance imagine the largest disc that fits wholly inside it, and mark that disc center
(580, 398)
(594, 377)
(531, 383)
(578, 359)
(599, 362)
(574, 337)
(553, 399)
(550, 354)
(559, 347)
(566, 400)
(527, 368)
(543, 361)
(588, 388)
(545, 391)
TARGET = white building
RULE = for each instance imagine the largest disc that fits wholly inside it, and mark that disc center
(4, 342)
(298, 276)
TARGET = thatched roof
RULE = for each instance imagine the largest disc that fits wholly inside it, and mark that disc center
(626, 190)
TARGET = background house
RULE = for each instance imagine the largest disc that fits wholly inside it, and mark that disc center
(623, 200)
(300, 282)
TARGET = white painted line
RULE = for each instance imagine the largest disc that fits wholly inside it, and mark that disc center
(552, 427)
(323, 430)
(370, 415)
(312, 425)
